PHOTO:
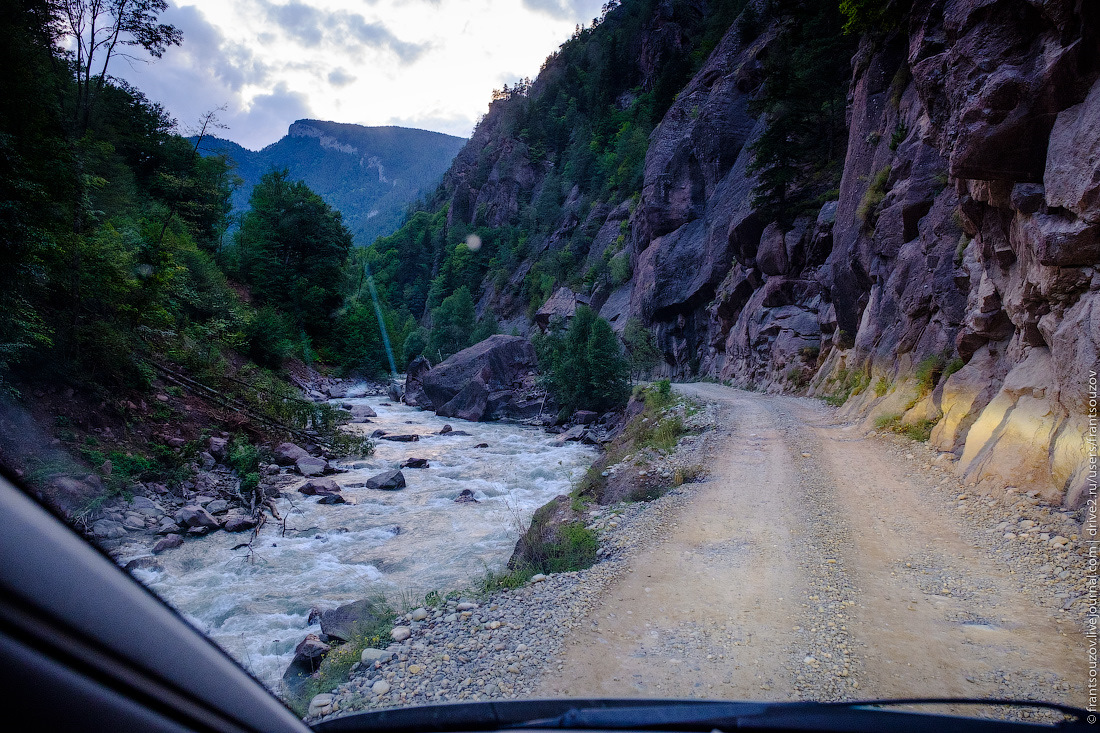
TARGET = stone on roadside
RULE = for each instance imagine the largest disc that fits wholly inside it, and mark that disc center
(381, 687)
(320, 704)
(401, 633)
(538, 578)
(419, 614)
(371, 655)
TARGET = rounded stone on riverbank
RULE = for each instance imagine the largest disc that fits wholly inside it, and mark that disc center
(401, 633)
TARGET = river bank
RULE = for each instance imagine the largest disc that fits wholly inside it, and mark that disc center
(477, 645)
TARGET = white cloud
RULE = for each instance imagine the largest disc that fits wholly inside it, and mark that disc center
(430, 64)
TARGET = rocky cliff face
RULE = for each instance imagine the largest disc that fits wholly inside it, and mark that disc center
(950, 282)
(954, 280)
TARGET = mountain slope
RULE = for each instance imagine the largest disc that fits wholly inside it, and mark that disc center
(369, 174)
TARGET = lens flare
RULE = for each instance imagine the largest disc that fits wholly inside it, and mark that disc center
(473, 242)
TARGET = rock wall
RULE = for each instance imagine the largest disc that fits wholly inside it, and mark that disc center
(954, 280)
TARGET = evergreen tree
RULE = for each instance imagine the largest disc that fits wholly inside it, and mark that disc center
(291, 251)
(452, 324)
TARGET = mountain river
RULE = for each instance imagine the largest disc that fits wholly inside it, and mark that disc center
(401, 543)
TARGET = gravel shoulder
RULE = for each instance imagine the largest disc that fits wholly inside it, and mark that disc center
(814, 562)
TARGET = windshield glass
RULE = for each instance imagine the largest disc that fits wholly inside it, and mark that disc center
(659, 349)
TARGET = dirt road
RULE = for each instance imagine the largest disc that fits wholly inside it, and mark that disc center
(814, 563)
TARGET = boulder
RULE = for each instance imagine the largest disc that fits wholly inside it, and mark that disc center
(545, 530)
(395, 391)
(218, 506)
(319, 487)
(218, 448)
(167, 542)
(445, 429)
(108, 529)
(332, 499)
(310, 466)
(349, 621)
(466, 497)
(387, 481)
(414, 383)
(194, 516)
(584, 417)
(370, 656)
(401, 438)
(415, 463)
(142, 563)
(471, 403)
(500, 363)
(239, 524)
(287, 454)
(309, 653)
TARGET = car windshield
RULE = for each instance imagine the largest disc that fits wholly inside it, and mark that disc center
(421, 351)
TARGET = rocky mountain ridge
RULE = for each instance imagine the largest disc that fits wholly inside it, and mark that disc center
(949, 284)
(370, 174)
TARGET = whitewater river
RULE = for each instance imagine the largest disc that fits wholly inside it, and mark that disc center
(405, 542)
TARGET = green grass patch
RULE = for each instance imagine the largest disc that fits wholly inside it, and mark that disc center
(928, 374)
(882, 386)
(919, 431)
(867, 212)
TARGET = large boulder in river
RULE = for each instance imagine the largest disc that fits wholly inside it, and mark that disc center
(414, 383)
(487, 381)
(319, 487)
(387, 481)
(349, 621)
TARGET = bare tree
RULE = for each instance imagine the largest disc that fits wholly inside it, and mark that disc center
(101, 30)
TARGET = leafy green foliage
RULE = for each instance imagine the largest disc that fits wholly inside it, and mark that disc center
(868, 209)
(291, 250)
(583, 365)
(641, 348)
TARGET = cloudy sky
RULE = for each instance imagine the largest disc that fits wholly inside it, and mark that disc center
(430, 64)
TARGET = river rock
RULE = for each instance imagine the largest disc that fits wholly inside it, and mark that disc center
(142, 563)
(309, 653)
(287, 454)
(401, 438)
(370, 656)
(584, 417)
(349, 621)
(387, 481)
(466, 497)
(332, 499)
(310, 466)
(167, 543)
(320, 704)
(401, 633)
(319, 487)
(414, 383)
(218, 506)
(194, 516)
(381, 687)
(445, 429)
(108, 529)
(239, 523)
(415, 463)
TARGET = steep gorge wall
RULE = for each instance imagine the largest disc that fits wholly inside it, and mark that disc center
(966, 231)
